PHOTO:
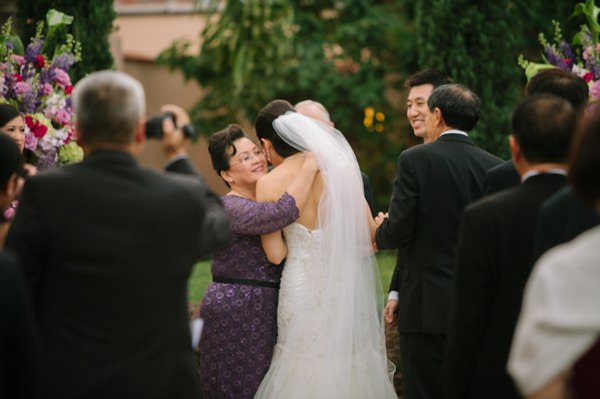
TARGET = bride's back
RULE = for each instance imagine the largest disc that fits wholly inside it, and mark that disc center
(277, 181)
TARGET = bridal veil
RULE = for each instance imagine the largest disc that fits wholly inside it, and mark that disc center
(348, 350)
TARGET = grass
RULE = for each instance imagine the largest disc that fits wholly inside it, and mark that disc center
(201, 276)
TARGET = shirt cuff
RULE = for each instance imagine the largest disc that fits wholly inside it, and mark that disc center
(393, 296)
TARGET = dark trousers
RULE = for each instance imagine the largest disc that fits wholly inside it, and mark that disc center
(422, 363)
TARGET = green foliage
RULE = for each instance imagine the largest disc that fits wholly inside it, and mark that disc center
(91, 26)
(478, 44)
(338, 53)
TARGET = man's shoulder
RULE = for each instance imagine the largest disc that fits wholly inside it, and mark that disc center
(494, 204)
(503, 168)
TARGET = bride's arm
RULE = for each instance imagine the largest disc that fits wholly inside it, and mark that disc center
(371, 222)
(274, 247)
(273, 243)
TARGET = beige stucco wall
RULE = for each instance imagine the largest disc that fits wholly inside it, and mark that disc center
(137, 41)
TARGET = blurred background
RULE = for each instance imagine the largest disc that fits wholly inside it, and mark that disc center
(223, 60)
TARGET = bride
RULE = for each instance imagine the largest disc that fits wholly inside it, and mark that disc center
(330, 340)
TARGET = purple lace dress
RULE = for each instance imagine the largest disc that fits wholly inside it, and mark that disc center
(240, 317)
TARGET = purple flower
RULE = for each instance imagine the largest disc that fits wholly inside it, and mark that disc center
(34, 49)
(29, 103)
(569, 57)
(47, 159)
(62, 78)
(555, 59)
(63, 61)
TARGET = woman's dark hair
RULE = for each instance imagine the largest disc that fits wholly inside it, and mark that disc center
(584, 166)
(264, 126)
(221, 147)
(8, 113)
(11, 159)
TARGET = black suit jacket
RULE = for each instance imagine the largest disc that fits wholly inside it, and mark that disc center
(19, 362)
(501, 177)
(433, 184)
(182, 165)
(563, 217)
(494, 259)
(107, 247)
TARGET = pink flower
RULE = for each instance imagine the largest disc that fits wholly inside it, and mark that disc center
(19, 60)
(31, 142)
(62, 117)
(46, 89)
(595, 89)
(21, 88)
(62, 78)
(9, 213)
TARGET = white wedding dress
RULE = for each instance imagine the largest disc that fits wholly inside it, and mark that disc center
(330, 340)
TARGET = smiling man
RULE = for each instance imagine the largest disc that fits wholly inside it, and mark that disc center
(433, 184)
(420, 86)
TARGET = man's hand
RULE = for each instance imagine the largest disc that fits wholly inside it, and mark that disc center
(174, 141)
(389, 312)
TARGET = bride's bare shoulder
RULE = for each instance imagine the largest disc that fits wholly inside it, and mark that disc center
(272, 185)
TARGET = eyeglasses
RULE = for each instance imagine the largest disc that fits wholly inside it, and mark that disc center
(247, 157)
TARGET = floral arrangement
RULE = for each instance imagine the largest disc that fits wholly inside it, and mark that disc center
(582, 56)
(40, 87)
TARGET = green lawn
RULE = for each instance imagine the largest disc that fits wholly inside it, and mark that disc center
(201, 275)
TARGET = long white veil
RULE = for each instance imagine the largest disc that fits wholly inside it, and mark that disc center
(349, 346)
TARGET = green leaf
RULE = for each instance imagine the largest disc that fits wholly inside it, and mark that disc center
(533, 68)
(55, 18)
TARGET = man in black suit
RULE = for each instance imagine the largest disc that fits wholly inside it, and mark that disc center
(18, 341)
(107, 248)
(495, 252)
(548, 81)
(562, 217)
(433, 183)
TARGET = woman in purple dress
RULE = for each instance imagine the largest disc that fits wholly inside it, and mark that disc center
(239, 307)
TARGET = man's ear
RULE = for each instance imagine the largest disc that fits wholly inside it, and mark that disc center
(140, 132)
(438, 117)
(515, 149)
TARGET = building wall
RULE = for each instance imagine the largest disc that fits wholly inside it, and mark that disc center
(136, 42)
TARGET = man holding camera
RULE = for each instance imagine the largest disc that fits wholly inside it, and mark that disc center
(107, 248)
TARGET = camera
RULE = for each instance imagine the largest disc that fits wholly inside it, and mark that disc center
(154, 125)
